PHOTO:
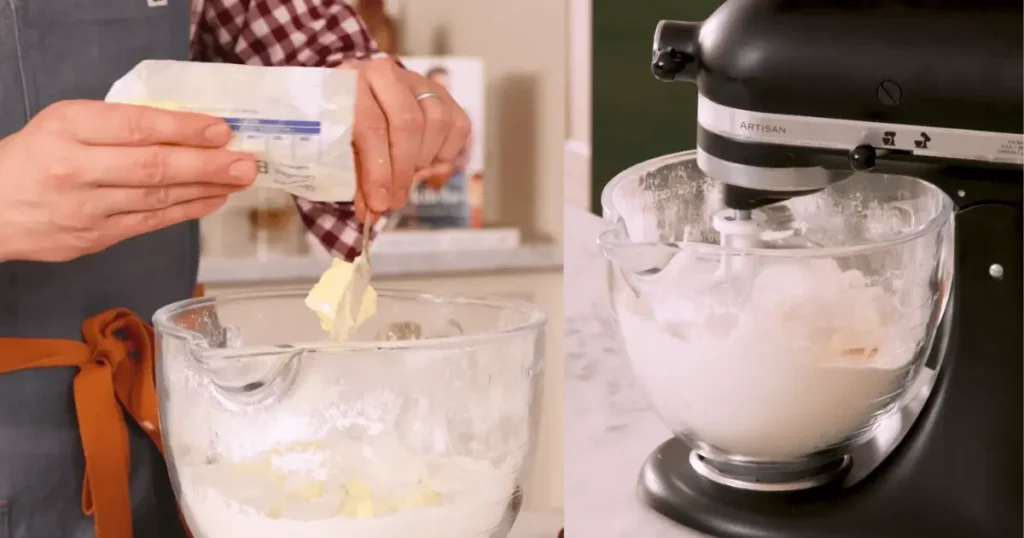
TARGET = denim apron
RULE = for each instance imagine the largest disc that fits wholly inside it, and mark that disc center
(80, 449)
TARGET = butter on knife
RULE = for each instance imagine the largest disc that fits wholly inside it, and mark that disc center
(324, 296)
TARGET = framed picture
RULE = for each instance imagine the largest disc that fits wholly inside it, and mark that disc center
(459, 203)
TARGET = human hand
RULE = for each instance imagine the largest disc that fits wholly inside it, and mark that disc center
(398, 137)
(84, 175)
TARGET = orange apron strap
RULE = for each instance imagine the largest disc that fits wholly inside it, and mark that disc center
(28, 353)
(116, 371)
(112, 377)
(105, 489)
(105, 486)
(121, 333)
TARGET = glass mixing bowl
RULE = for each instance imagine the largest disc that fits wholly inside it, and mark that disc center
(776, 358)
(421, 425)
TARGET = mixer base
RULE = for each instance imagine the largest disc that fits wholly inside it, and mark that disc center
(671, 485)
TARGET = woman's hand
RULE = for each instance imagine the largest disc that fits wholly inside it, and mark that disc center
(407, 127)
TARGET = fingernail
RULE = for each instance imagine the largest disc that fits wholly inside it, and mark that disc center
(423, 175)
(244, 170)
(218, 133)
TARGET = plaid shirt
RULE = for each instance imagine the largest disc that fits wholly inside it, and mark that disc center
(313, 33)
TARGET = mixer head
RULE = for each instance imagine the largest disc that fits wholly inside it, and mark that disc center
(795, 96)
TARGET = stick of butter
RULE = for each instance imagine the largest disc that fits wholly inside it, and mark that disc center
(323, 298)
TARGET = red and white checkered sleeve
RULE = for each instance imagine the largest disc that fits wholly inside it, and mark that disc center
(312, 33)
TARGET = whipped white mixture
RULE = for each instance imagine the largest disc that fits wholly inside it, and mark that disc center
(351, 489)
(793, 362)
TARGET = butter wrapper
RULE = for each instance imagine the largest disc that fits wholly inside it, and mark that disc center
(296, 120)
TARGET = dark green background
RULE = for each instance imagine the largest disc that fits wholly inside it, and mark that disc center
(636, 117)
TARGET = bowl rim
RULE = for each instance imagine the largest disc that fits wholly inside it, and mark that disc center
(943, 217)
(535, 322)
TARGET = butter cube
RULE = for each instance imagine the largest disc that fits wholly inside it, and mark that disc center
(324, 296)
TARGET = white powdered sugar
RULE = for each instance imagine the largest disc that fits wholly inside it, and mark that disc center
(353, 446)
(784, 358)
(353, 489)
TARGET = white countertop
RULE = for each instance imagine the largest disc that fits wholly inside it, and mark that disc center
(609, 429)
(241, 271)
(537, 525)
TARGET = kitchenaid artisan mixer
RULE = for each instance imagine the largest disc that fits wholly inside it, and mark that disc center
(798, 96)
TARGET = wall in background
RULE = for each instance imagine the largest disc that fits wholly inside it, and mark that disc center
(577, 147)
(636, 117)
(523, 44)
(580, 24)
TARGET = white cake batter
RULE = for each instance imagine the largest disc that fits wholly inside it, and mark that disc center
(352, 490)
(793, 363)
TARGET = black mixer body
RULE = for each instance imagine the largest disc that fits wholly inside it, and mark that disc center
(797, 94)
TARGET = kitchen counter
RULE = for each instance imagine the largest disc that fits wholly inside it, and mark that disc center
(537, 525)
(609, 429)
(245, 271)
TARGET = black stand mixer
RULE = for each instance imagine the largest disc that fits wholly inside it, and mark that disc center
(795, 95)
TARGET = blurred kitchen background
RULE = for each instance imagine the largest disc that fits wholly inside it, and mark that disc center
(497, 228)
(626, 111)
